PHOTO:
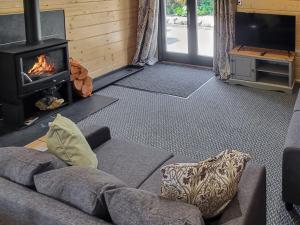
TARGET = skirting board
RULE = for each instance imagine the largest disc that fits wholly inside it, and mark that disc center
(114, 76)
(264, 86)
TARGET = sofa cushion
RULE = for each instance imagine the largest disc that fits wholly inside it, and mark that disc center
(22, 206)
(210, 185)
(20, 164)
(65, 140)
(80, 187)
(128, 206)
(131, 162)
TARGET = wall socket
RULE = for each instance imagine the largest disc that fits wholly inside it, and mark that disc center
(239, 2)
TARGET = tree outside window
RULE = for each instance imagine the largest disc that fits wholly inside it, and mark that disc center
(178, 7)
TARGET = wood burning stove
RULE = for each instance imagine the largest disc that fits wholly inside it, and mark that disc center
(31, 70)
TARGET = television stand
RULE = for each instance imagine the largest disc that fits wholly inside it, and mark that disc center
(267, 69)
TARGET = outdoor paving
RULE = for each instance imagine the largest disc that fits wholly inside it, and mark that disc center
(177, 35)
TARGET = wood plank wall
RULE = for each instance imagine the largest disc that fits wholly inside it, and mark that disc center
(102, 33)
(284, 7)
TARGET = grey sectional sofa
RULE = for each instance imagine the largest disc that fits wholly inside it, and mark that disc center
(138, 166)
(291, 161)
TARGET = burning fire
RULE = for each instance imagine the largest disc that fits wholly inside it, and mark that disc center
(42, 66)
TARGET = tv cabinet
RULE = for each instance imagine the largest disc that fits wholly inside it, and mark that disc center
(262, 68)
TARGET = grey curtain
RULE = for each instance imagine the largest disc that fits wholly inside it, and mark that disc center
(224, 35)
(147, 33)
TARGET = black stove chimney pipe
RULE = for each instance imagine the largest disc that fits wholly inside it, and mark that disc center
(32, 22)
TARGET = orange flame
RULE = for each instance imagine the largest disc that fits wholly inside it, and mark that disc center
(42, 66)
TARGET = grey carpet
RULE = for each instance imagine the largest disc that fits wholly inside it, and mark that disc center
(174, 80)
(216, 117)
(76, 112)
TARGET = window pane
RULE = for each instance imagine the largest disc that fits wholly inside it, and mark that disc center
(176, 26)
(205, 26)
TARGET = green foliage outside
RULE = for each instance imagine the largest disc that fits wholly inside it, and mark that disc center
(206, 8)
(178, 7)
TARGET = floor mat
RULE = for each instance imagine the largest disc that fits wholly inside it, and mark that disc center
(76, 112)
(175, 80)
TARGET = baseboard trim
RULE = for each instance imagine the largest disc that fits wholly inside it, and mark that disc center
(114, 76)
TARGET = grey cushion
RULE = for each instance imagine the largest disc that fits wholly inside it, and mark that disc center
(129, 206)
(152, 184)
(130, 162)
(22, 206)
(20, 164)
(80, 187)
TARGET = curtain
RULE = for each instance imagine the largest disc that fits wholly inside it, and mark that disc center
(147, 33)
(224, 36)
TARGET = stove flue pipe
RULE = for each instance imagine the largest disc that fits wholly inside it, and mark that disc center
(32, 22)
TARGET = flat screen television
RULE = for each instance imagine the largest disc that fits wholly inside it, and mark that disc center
(266, 31)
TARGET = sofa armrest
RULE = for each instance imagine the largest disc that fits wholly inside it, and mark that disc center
(291, 175)
(96, 135)
(291, 162)
(249, 205)
(292, 138)
(297, 103)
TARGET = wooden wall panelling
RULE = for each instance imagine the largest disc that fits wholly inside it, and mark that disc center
(102, 33)
(283, 7)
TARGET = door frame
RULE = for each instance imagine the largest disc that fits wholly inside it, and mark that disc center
(192, 57)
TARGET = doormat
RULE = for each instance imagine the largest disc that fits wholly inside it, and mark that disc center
(168, 79)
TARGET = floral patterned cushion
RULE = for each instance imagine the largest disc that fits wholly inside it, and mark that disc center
(210, 184)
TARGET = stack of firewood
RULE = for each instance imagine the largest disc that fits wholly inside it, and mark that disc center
(82, 82)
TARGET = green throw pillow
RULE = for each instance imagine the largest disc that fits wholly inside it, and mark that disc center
(66, 141)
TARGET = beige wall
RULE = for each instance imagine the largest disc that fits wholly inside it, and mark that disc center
(285, 7)
(102, 33)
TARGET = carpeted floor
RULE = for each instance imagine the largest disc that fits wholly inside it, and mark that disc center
(216, 117)
(175, 80)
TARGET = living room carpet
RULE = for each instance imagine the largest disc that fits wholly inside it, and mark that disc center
(168, 79)
(76, 112)
(216, 117)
